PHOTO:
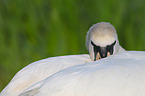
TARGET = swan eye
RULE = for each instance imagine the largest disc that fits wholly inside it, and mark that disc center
(93, 43)
(96, 48)
(110, 48)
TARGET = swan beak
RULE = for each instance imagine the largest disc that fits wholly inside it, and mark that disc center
(108, 53)
(102, 52)
(98, 56)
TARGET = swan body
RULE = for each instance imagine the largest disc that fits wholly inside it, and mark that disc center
(40, 70)
(122, 74)
(101, 41)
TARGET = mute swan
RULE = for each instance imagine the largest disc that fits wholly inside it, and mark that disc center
(122, 74)
(101, 40)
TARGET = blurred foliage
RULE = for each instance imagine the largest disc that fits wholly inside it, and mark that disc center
(31, 30)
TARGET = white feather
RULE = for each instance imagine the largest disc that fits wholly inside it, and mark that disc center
(40, 70)
(122, 74)
(102, 34)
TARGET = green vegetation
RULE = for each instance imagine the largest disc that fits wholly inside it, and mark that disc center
(31, 30)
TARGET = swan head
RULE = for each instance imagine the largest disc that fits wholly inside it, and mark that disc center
(102, 40)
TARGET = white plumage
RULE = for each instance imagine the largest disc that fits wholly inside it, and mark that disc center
(42, 69)
(102, 34)
(122, 74)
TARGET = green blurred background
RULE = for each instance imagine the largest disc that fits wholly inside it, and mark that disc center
(31, 30)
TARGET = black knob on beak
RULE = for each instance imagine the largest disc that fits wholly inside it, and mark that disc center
(103, 52)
